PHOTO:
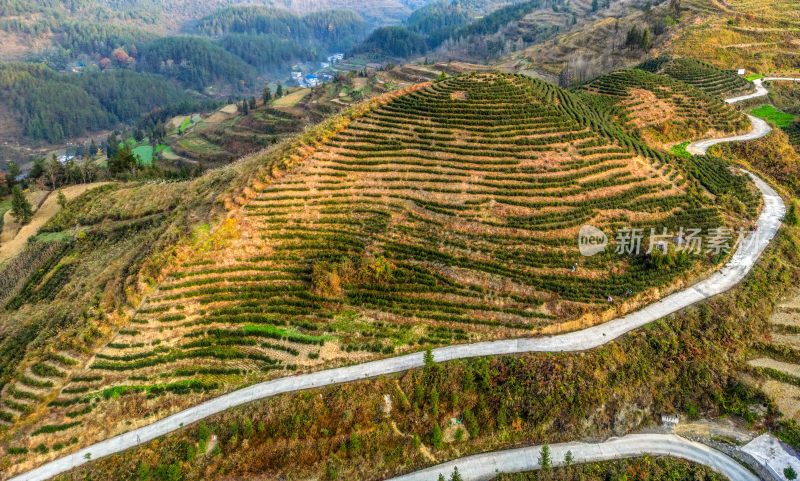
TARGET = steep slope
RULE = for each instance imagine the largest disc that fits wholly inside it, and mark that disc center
(445, 214)
(664, 110)
(706, 77)
(760, 36)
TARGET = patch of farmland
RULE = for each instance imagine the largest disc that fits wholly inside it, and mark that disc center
(444, 215)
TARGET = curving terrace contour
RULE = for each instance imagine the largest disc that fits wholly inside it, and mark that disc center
(740, 264)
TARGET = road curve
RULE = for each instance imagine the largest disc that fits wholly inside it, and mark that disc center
(760, 129)
(486, 466)
(740, 264)
(761, 91)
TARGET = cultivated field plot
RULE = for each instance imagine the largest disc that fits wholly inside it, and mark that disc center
(446, 215)
(776, 358)
(665, 110)
(760, 35)
(720, 83)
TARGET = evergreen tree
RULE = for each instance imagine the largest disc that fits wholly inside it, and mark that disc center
(436, 437)
(20, 207)
(12, 172)
(456, 476)
(279, 91)
(647, 39)
(569, 459)
(61, 199)
(37, 169)
(92, 149)
(545, 462)
(428, 358)
(123, 162)
(267, 97)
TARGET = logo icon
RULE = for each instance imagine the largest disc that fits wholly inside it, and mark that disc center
(591, 241)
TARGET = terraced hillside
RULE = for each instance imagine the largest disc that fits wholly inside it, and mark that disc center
(760, 35)
(664, 110)
(448, 214)
(776, 358)
(706, 77)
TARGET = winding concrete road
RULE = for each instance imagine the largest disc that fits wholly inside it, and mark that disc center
(742, 261)
(484, 467)
(761, 91)
(760, 129)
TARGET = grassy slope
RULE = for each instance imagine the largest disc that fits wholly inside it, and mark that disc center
(774, 116)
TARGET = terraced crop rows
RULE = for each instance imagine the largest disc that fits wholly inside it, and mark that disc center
(720, 83)
(760, 35)
(448, 214)
(649, 100)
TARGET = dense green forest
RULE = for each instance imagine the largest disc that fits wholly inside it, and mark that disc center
(99, 38)
(438, 19)
(428, 27)
(333, 29)
(195, 62)
(267, 52)
(53, 106)
(394, 42)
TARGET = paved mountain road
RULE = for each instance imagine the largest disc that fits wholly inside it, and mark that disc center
(761, 91)
(484, 467)
(742, 261)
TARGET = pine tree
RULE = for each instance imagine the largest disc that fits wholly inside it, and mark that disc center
(12, 172)
(279, 91)
(647, 39)
(267, 96)
(61, 199)
(545, 462)
(253, 104)
(568, 459)
(436, 437)
(123, 162)
(456, 476)
(20, 207)
(428, 358)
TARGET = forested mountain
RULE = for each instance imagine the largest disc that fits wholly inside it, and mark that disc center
(196, 62)
(439, 18)
(335, 29)
(267, 52)
(430, 26)
(393, 41)
(53, 106)
(99, 38)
